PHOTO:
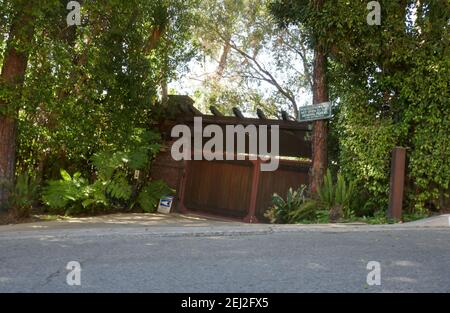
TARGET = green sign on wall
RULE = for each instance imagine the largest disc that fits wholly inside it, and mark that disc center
(315, 112)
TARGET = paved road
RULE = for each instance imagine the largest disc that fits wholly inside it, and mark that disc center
(231, 259)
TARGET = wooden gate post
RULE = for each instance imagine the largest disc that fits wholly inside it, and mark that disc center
(397, 187)
(182, 194)
(251, 216)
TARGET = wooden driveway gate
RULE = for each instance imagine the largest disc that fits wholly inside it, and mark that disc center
(234, 189)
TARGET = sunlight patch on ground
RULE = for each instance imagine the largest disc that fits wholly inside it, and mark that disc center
(315, 266)
(5, 280)
(406, 263)
(139, 219)
(402, 280)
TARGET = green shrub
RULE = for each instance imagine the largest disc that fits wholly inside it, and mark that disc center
(23, 195)
(66, 194)
(333, 203)
(74, 194)
(114, 186)
(295, 208)
(150, 195)
(335, 197)
(118, 187)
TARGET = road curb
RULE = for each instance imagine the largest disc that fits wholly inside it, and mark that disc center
(213, 231)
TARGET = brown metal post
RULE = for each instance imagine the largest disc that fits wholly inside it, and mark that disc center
(251, 217)
(398, 166)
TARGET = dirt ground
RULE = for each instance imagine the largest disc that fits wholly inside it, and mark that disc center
(7, 218)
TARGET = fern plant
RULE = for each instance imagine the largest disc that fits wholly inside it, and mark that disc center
(66, 193)
(150, 195)
(113, 186)
(118, 187)
(107, 163)
(143, 146)
(95, 195)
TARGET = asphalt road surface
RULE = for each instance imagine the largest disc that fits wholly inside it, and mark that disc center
(320, 260)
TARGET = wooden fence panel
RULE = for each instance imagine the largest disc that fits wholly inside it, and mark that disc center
(219, 187)
(225, 188)
(288, 175)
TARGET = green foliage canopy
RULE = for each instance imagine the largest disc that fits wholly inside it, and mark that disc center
(391, 83)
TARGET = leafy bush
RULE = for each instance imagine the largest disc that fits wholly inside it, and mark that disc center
(336, 197)
(366, 143)
(394, 97)
(67, 193)
(150, 195)
(295, 208)
(23, 195)
(333, 203)
(73, 194)
(118, 187)
(95, 196)
(114, 186)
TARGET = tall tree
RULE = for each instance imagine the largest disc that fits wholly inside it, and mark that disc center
(11, 78)
(306, 13)
(320, 95)
(100, 79)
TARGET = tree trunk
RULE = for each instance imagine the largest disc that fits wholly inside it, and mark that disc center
(320, 95)
(12, 75)
(223, 59)
(164, 92)
(165, 82)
